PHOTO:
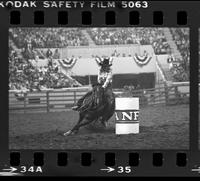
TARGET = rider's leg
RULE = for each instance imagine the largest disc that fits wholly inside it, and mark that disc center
(80, 101)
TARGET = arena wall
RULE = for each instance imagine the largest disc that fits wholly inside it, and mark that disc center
(121, 65)
(142, 80)
(124, 66)
(163, 60)
(108, 50)
(101, 50)
(125, 72)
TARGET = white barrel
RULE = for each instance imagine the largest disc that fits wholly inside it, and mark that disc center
(127, 115)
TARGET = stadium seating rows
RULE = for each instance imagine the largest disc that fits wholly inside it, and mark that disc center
(181, 38)
(143, 36)
(22, 75)
(47, 37)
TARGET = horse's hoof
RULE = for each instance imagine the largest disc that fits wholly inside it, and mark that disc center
(68, 133)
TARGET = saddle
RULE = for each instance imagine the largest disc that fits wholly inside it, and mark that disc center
(92, 101)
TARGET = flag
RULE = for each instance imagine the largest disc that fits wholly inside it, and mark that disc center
(142, 60)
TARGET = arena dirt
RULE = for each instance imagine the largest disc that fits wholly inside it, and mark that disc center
(161, 127)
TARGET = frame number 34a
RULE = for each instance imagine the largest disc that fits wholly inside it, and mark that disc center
(31, 169)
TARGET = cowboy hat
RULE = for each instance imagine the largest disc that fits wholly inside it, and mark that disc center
(106, 62)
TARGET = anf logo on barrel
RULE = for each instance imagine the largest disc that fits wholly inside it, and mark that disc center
(126, 115)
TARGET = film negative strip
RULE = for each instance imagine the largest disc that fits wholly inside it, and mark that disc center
(99, 88)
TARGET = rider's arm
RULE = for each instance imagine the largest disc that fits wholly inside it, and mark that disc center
(99, 78)
(98, 60)
(108, 80)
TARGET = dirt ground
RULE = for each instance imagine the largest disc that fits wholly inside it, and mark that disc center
(161, 127)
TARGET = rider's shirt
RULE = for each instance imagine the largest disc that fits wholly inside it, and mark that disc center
(105, 78)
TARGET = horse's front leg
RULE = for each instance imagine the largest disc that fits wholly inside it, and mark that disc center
(108, 115)
(79, 124)
(87, 121)
(105, 119)
(76, 127)
(104, 122)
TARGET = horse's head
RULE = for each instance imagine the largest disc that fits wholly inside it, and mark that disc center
(98, 89)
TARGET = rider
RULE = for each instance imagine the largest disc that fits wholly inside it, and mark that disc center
(104, 79)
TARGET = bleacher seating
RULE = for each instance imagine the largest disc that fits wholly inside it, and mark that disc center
(47, 37)
(181, 38)
(143, 36)
(41, 43)
(24, 76)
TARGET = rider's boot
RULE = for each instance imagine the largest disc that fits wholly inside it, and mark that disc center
(79, 104)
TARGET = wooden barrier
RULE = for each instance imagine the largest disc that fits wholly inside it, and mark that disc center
(44, 101)
(62, 100)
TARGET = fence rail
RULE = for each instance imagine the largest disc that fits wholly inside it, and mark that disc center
(60, 100)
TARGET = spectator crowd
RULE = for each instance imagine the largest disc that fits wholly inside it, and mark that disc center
(180, 69)
(47, 37)
(40, 43)
(143, 36)
(23, 75)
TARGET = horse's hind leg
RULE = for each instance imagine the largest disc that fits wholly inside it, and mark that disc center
(107, 116)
